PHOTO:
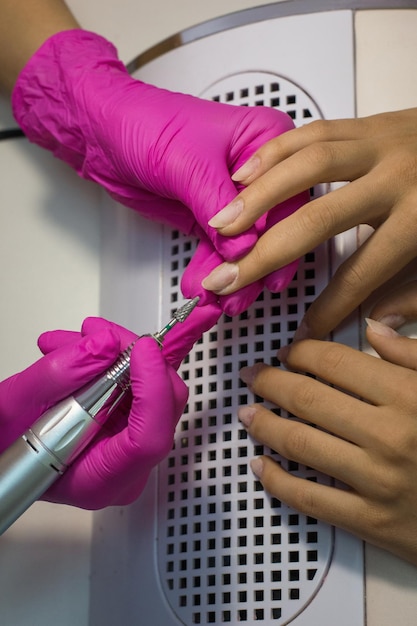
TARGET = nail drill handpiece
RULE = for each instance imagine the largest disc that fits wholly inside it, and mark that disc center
(43, 453)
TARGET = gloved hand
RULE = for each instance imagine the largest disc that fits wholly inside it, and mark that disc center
(114, 468)
(169, 156)
(206, 258)
(27, 395)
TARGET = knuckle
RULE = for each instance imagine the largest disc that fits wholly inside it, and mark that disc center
(404, 169)
(333, 358)
(351, 277)
(303, 499)
(407, 401)
(377, 520)
(318, 130)
(409, 167)
(399, 444)
(296, 442)
(397, 449)
(319, 218)
(304, 395)
(405, 220)
(319, 154)
(387, 483)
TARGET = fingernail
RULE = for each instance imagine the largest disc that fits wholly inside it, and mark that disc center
(257, 466)
(380, 329)
(221, 277)
(394, 320)
(247, 169)
(246, 415)
(302, 332)
(282, 354)
(248, 374)
(228, 215)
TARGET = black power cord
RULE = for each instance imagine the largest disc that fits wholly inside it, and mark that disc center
(11, 133)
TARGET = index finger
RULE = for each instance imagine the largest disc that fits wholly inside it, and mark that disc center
(357, 373)
(317, 163)
(310, 400)
(375, 262)
(297, 234)
(279, 148)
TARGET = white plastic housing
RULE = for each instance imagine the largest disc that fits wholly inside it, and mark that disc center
(205, 544)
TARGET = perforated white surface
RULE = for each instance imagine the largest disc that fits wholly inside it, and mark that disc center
(226, 553)
(207, 545)
(265, 89)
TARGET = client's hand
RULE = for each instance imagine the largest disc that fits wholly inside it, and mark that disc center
(367, 430)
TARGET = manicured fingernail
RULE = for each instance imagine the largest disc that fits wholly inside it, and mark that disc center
(248, 374)
(302, 332)
(257, 466)
(247, 169)
(381, 329)
(282, 354)
(228, 215)
(246, 415)
(394, 320)
(221, 277)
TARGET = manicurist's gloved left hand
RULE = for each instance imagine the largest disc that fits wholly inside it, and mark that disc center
(169, 156)
(113, 470)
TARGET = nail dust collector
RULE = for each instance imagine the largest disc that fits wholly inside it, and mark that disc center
(205, 544)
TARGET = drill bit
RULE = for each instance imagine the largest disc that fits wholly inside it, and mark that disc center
(180, 315)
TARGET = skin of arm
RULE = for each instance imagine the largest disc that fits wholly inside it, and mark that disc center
(367, 429)
(378, 156)
(24, 26)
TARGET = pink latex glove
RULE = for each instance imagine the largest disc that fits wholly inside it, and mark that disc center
(168, 155)
(27, 395)
(114, 468)
(206, 258)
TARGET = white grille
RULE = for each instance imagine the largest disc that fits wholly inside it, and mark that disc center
(206, 545)
(226, 552)
(265, 89)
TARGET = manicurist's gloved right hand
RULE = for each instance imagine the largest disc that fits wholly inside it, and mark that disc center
(113, 470)
(168, 155)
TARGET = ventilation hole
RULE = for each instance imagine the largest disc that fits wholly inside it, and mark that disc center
(213, 516)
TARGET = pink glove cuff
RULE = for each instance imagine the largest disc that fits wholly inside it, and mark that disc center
(44, 75)
(63, 102)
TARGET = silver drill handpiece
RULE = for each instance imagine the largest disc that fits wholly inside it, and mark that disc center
(42, 454)
(116, 379)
